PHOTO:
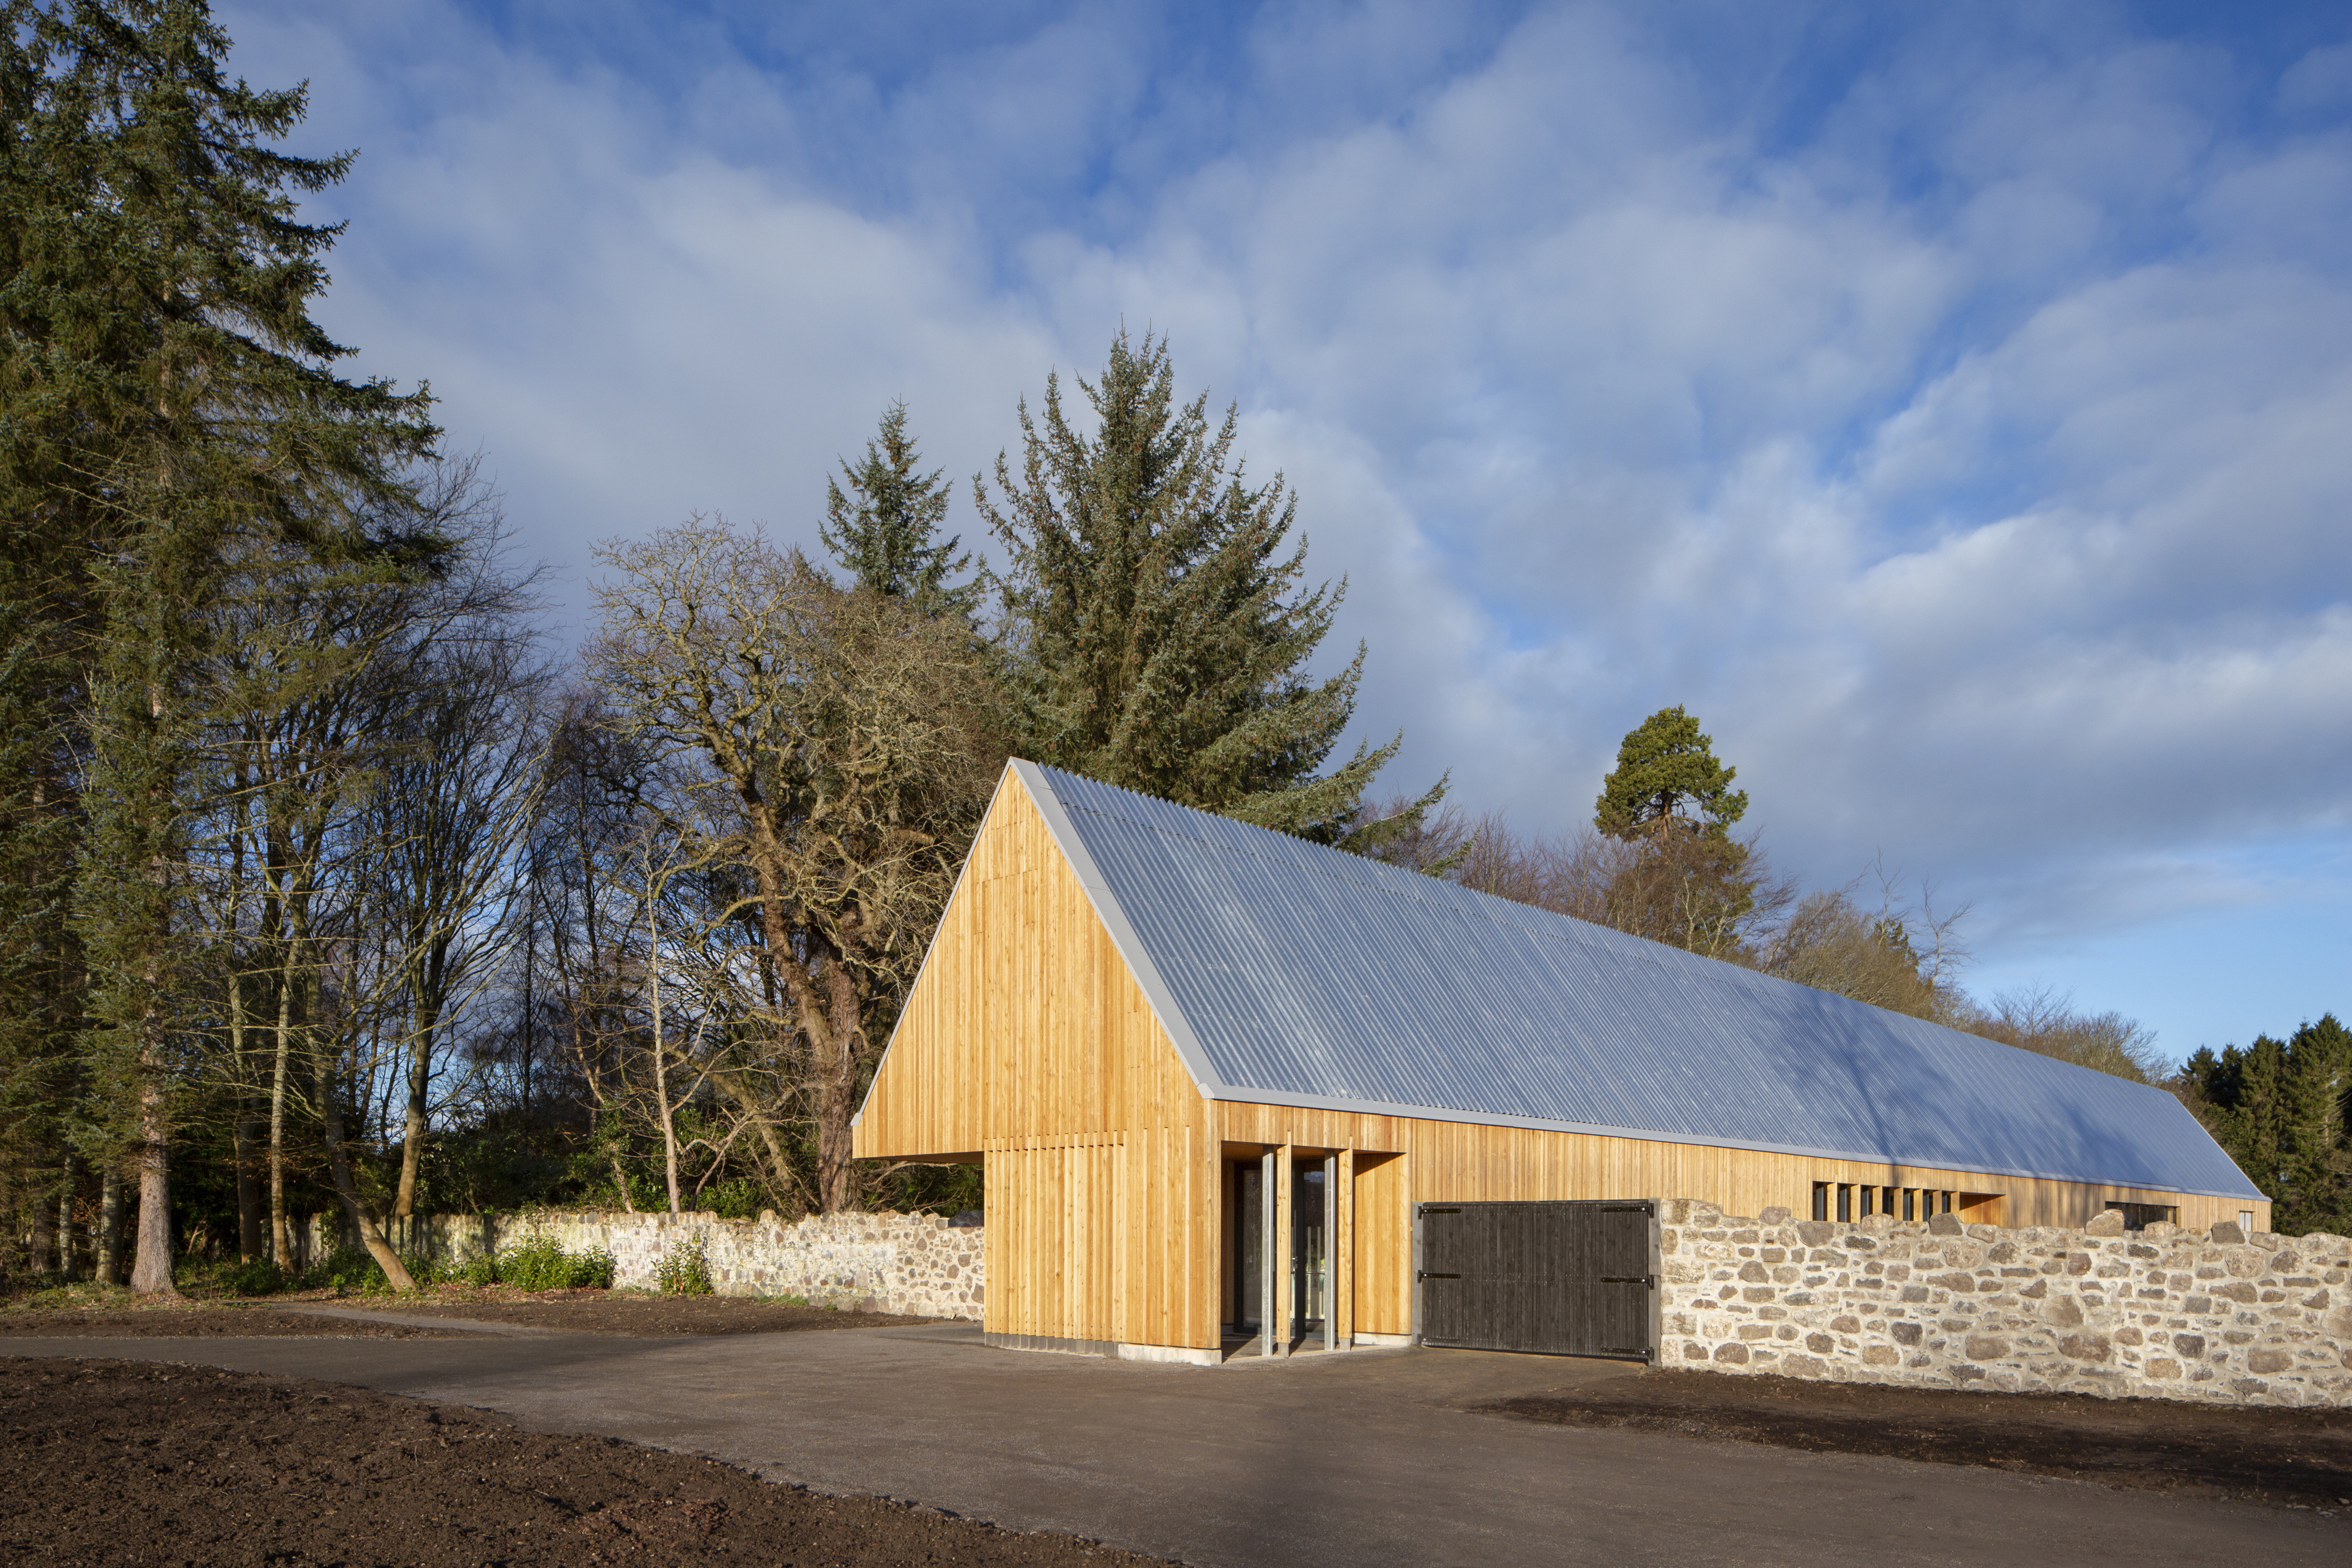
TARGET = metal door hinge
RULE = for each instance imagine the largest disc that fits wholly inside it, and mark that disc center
(1650, 1281)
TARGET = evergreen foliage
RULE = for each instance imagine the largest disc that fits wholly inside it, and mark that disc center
(2281, 1109)
(884, 529)
(1157, 640)
(1690, 883)
(165, 394)
(1667, 777)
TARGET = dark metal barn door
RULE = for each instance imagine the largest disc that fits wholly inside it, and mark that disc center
(1568, 1279)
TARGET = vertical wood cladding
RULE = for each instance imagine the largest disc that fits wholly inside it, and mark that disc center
(1028, 1043)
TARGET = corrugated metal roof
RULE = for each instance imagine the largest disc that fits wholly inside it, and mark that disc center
(1289, 973)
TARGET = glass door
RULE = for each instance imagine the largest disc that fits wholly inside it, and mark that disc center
(1249, 1245)
(1311, 1253)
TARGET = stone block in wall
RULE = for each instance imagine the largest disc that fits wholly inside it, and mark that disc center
(913, 1264)
(2102, 1311)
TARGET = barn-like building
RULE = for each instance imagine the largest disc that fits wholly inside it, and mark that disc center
(1220, 1077)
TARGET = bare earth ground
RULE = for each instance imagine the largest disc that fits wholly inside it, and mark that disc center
(2255, 1454)
(564, 1311)
(200, 1322)
(623, 1313)
(225, 1468)
(110, 1462)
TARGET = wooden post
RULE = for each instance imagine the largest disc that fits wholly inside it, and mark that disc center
(1286, 1286)
(1343, 1250)
(1269, 1252)
(1331, 1251)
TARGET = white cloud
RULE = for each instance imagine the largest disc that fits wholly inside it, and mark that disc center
(1972, 462)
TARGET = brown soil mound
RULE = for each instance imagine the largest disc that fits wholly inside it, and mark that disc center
(2300, 1457)
(176, 1322)
(112, 1462)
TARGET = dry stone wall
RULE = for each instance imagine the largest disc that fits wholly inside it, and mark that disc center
(2220, 1317)
(919, 1264)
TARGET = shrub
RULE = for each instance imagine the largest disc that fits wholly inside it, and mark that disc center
(347, 1268)
(683, 1271)
(254, 1277)
(737, 1200)
(352, 1267)
(426, 1270)
(540, 1263)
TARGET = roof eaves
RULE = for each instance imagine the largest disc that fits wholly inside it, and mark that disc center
(1241, 1096)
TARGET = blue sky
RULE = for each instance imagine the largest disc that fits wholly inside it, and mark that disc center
(1949, 404)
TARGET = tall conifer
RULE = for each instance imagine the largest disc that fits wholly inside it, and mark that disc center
(884, 531)
(1666, 777)
(2315, 1163)
(1158, 638)
(1691, 883)
(165, 393)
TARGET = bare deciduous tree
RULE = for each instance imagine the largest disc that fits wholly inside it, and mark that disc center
(1669, 887)
(837, 745)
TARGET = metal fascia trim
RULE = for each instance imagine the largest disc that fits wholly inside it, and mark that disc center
(1122, 931)
(1485, 1119)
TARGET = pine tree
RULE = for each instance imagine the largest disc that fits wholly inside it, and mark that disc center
(1157, 640)
(2280, 1109)
(885, 530)
(2257, 1120)
(165, 393)
(1667, 777)
(2316, 1164)
(1691, 883)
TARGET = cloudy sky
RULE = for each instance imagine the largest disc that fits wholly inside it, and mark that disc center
(1952, 405)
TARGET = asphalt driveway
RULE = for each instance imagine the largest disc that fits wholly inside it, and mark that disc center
(1323, 1461)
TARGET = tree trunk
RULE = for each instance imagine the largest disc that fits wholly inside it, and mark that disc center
(249, 1189)
(621, 1184)
(661, 1057)
(248, 1186)
(338, 1166)
(420, 1081)
(110, 1228)
(281, 1232)
(67, 1261)
(830, 1022)
(151, 1261)
(836, 1090)
(36, 1251)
